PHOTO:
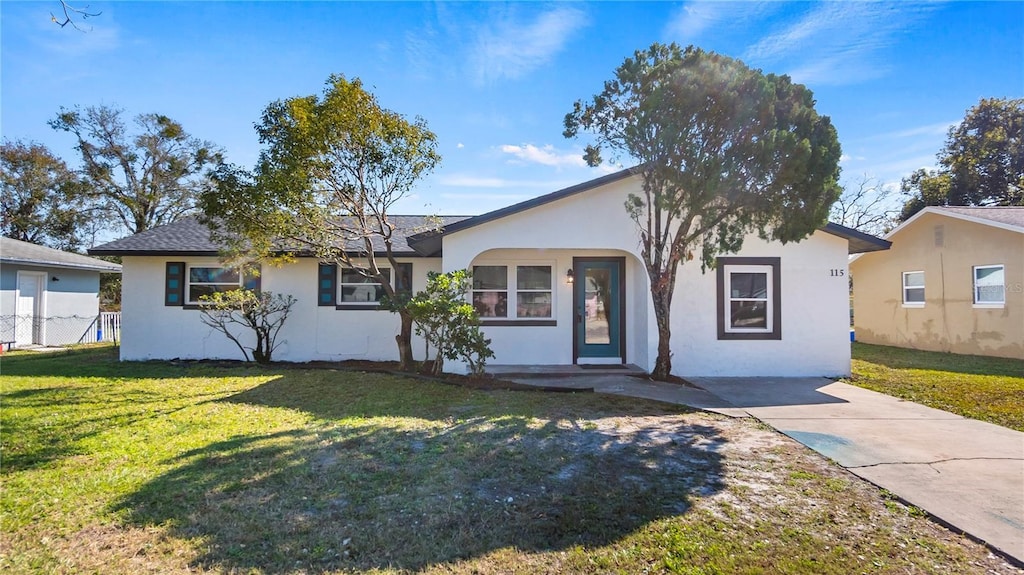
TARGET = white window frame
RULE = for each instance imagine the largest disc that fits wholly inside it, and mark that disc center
(974, 286)
(769, 298)
(189, 283)
(512, 290)
(341, 303)
(904, 287)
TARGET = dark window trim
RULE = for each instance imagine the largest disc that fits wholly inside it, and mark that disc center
(775, 264)
(519, 322)
(360, 307)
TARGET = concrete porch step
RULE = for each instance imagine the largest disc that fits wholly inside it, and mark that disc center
(529, 371)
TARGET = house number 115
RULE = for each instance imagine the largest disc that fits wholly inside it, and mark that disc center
(837, 272)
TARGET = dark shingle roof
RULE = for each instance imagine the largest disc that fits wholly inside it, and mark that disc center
(1009, 215)
(188, 236)
(17, 251)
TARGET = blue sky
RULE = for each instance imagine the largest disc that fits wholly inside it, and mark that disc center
(494, 80)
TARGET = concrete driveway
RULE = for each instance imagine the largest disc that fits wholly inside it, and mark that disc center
(967, 473)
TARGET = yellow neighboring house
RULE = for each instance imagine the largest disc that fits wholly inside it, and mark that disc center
(952, 281)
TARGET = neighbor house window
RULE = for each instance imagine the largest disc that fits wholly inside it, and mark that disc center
(989, 285)
(913, 289)
(749, 298)
(206, 281)
(529, 286)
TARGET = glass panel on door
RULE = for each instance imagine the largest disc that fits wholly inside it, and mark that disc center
(596, 305)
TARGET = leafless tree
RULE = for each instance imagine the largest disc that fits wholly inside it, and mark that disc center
(866, 206)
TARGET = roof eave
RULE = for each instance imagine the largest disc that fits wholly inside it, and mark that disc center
(209, 253)
(858, 241)
(64, 265)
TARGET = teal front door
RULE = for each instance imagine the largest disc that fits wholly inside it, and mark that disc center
(598, 298)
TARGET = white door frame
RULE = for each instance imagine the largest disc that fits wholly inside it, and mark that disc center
(37, 327)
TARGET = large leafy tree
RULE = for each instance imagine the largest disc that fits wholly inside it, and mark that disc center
(981, 164)
(40, 197)
(146, 177)
(331, 171)
(723, 151)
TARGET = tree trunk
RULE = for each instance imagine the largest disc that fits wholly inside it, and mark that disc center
(404, 339)
(261, 354)
(661, 294)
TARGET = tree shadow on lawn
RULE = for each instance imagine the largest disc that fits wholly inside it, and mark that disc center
(364, 488)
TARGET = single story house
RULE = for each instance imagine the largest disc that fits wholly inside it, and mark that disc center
(557, 280)
(953, 281)
(48, 296)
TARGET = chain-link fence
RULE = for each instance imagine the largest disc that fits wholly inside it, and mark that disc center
(28, 330)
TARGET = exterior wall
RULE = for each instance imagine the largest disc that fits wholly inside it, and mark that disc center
(949, 321)
(69, 306)
(526, 344)
(151, 330)
(815, 305)
(815, 316)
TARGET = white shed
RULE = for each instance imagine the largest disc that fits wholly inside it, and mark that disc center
(47, 296)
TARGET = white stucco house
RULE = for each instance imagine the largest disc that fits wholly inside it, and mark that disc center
(47, 296)
(556, 280)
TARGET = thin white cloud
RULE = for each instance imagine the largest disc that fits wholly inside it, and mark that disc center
(484, 196)
(938, 129)
(692, 19)
(97, 35)
(837, 70)
(837, 42)
(508, 48)
(422, 52)
(460, 145)
(545, 156)
(471, 181)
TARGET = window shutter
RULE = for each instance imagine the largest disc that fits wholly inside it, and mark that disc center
(327, 285)
(174, 284)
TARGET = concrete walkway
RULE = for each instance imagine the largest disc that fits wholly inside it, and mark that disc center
(967, 473)
(617, 381)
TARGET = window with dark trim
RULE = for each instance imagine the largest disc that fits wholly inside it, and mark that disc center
(519, 293)
(749, 298)
(356, 291)
(208, 280)
(185, 285)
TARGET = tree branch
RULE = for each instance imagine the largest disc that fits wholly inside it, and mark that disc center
(68, 11)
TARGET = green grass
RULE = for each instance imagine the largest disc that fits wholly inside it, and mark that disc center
(156, 467)
(986, 388)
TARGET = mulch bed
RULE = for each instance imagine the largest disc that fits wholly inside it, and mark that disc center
(485, 383)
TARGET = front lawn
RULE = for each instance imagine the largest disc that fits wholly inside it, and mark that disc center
(192, 468)
(986, 388)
